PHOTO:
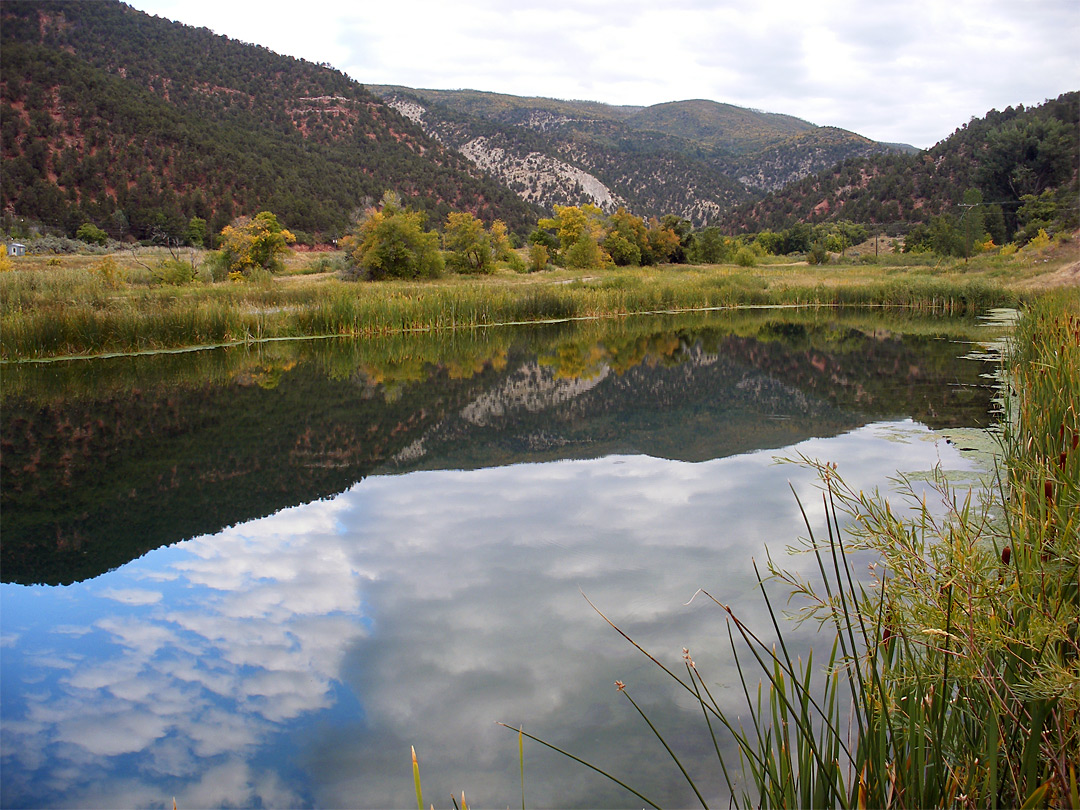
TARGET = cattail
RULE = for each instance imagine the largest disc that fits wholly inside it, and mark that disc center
(1048, 490)
(1006, 555)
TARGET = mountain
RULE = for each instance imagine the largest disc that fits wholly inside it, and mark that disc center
(138, 124)
(693, 158)
(1005, 156)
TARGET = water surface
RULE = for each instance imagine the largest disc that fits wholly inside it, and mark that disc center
(257, 577)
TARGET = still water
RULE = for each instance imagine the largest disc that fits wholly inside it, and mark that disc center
(256, 577)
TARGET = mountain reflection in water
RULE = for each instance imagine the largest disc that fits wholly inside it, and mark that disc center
(387, 542)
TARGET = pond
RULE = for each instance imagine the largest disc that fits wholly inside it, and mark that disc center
(257, 576)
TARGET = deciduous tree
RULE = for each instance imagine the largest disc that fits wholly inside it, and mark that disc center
(469, 244)
(196, 232)
(663, 242)
(627, 238)
(251, 243)
(391, 241)
(580, 230)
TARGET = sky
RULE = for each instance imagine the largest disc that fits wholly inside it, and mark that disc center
(902, 72)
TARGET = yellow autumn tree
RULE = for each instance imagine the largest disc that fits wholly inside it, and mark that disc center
(469, 244)
(255, 242)
(580, 230)
(663, 242)
(500, 240)
(390, 241)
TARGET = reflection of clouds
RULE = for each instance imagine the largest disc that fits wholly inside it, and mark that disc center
(132, 596)
(110, 732)
(446, 601)
(71, 630)
(476, 577)
(190, 681)
(46, 659)
(137, 634)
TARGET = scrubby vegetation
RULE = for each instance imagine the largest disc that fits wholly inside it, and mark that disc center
(119, 303)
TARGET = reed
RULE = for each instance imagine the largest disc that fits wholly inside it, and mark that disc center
(57, 312)
(953, 677)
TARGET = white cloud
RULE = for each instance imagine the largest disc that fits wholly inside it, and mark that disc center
(908, 71)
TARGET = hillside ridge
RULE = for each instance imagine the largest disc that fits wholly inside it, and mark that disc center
(695, 158)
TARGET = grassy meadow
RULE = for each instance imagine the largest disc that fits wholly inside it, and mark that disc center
(83, 305)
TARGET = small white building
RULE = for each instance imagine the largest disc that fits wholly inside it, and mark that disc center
(16, 249)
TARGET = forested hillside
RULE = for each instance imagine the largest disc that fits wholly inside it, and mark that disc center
(137, 124)
(695, 159)
(1019, 168)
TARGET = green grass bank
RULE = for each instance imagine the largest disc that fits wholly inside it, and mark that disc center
(86, 306)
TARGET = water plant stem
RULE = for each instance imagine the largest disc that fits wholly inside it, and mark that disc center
(960, 657)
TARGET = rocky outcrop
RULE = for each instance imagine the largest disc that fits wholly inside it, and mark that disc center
(694, 159)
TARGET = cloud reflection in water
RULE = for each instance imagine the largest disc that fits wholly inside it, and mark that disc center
(292, 660)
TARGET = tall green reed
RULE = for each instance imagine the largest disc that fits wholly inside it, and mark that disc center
(953, 677)
(52, 313)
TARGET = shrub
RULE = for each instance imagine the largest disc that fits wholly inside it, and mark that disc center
(249, 244)
(586, 253)
(215, 263)
(1039, 243)
(107, 270)
(545, 238)
(538, 257)
(745, 257)
(325, 264)
(91, 234)
(516, 263)
(59, 244)
(174, 271)
(391, 242)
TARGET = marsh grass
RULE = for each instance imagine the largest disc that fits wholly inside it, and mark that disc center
(81, 311)
(953, 672)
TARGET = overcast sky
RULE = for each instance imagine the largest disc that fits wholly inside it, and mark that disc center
(909, 72)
